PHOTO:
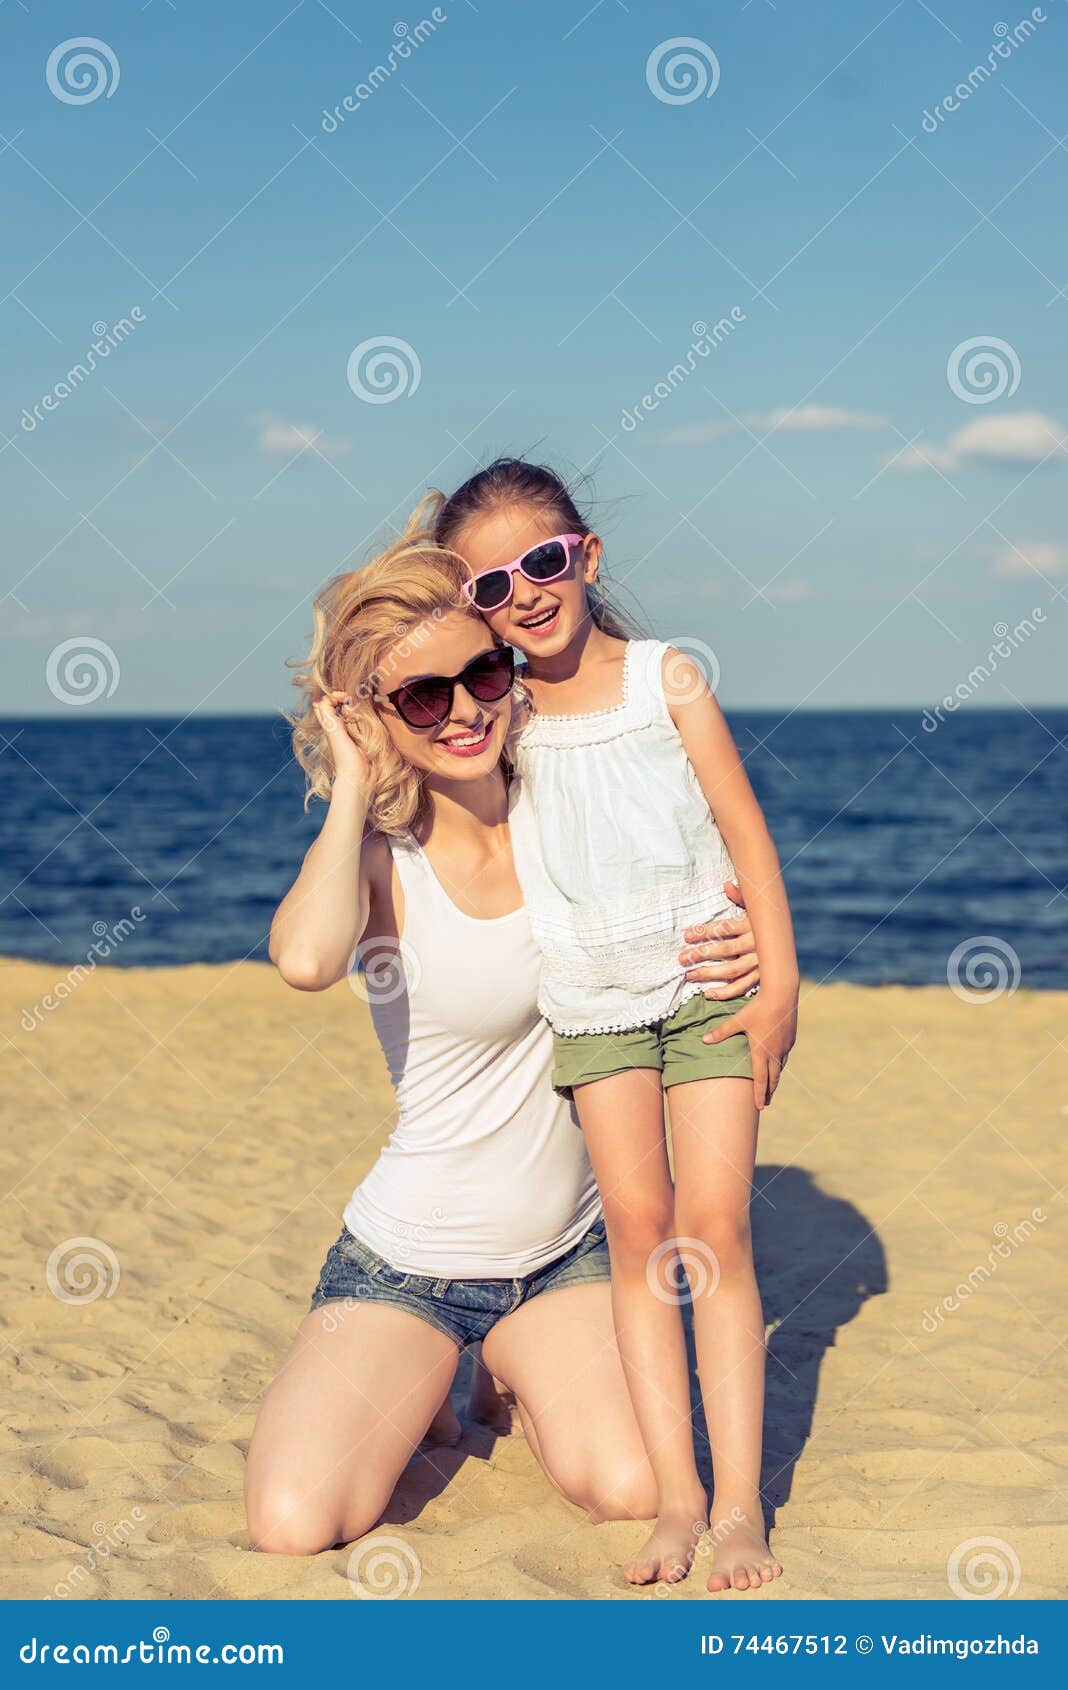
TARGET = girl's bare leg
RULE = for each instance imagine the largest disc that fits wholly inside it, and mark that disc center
(714, 1133)
(349, 1407)
(558, 1355)
(622, 1120)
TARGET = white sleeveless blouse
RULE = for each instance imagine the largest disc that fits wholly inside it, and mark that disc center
(617, 853)
(485, 1175)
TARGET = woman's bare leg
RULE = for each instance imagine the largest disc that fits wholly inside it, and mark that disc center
(558, 1354)
(349, 1407)
(714, 1133)
(622, 1120)
(490, 1402)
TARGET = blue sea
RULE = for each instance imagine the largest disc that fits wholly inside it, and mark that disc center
(899, 844)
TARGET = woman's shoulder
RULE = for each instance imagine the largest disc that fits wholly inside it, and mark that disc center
(377, 858)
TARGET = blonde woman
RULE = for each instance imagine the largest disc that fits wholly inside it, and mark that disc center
(480, 1222)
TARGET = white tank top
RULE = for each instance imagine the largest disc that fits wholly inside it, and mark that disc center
(617, 853)
(485, 1175)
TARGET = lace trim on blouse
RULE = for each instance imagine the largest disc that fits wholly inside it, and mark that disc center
(585, 727)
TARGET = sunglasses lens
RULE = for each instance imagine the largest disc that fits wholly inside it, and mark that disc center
(491, 590)
(545, 563)
(489, 678)
(424, 704)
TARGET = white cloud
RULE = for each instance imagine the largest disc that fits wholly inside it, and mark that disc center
(702, 591)
(1041, 556)
(284, 440)
(698, 434)
(815, 419)
(801, 419)
(116, 625)
(1014, 437)
(788, 592)
(1023, 437)
(921, 457)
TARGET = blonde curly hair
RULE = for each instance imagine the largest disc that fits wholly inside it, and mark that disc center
(363, 619)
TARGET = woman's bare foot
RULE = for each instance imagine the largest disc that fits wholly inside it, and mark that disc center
(667, 1554)
(741, 1559)
(491, 1403)
(445, 1428)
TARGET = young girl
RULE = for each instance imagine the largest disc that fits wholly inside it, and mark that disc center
(634, 805)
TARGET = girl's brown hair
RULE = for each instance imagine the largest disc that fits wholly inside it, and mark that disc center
(514, 481)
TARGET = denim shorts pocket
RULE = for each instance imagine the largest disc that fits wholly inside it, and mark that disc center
(362, 1256)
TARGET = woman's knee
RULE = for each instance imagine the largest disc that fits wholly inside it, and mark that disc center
(607, 1488)
(279, 1523)
(284, 1520)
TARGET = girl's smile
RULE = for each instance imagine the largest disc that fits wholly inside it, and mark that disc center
(540, 622)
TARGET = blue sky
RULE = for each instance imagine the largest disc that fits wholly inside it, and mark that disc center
(518, 204)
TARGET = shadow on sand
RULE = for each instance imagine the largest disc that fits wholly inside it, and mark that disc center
(818, 1261)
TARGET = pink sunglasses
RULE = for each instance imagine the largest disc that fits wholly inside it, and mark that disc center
(546, 561)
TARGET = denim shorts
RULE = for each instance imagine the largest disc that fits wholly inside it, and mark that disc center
(464, 1309)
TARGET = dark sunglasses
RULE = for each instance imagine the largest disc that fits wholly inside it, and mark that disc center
(427, 701)
(547, 562)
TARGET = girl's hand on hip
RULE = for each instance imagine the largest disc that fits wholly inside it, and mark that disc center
(352, 766)
(728, 945)
(770, 1024)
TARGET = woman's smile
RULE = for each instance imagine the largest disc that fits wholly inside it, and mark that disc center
(469, 742)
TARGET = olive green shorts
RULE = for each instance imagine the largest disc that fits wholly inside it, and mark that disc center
(672, 1045)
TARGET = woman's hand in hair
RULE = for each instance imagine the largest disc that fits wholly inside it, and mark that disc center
(723, 951)
(352, 766)
(324, 914)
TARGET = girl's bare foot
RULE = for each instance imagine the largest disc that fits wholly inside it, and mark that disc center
(741, 1559)
(491, 1403)
(667, 1554)
(445, 1428)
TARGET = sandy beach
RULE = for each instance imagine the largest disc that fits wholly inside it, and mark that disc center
(205, 1125)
